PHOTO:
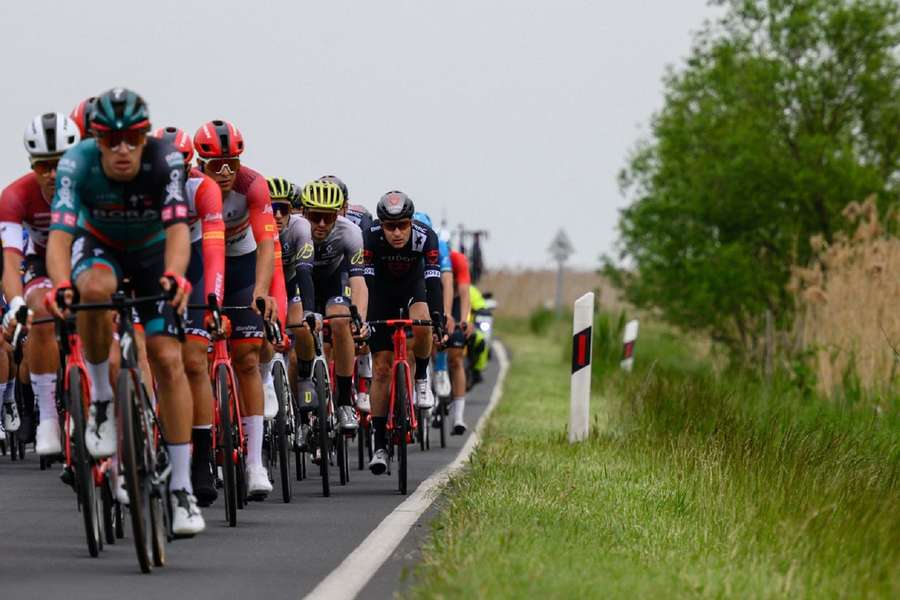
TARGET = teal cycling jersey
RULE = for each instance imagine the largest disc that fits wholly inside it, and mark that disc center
(130, 215)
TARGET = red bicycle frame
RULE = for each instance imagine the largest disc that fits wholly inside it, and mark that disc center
(400, 357)
(221, 357)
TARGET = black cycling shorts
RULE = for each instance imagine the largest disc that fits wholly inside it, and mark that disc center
(327, 287)
(193, 322)
(240, 279)
(385, 302)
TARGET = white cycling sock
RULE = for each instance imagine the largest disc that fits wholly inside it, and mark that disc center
(457, 408)
(265, 370)
(101, 390)
(44, 385)
(253, 427)
(180, 459)
(364, 365)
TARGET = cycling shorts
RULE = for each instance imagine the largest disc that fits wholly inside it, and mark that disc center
(193, 321)
(142, 267)
(327, 288)
(385, 302)
(240, 279)
(35, 275)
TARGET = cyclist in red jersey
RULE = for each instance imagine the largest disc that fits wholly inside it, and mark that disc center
(459, 326)
(81, 116)
(25, 206)
(250, 252)
(206, 272)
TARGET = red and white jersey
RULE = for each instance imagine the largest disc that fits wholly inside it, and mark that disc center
(23, 207)
(247, 212)
(205, 218)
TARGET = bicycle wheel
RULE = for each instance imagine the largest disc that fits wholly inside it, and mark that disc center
(340, 446)
(442, 411)
(84, 476)
(422, 432)
(224, 439)
(361, 447)
(109, 509)
(283, 423)
(320, 377)
(135, 466)
(401, 425)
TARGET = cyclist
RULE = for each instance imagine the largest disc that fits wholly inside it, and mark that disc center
(81, 115)
(119, 210)
(402, 267)
(458, 326)
(336, 241)
(25, 208)
(206, 273)
(250, 273)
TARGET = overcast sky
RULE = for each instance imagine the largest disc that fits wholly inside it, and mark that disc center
(511, 116)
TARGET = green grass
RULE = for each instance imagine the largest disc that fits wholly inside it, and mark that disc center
(691, 484)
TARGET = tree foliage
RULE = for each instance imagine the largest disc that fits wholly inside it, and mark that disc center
(785, 111)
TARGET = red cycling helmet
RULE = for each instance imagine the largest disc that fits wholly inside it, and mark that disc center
(81, 114)
(179, 139)
(218, 139)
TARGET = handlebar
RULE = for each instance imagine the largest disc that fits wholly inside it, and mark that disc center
(120, 303)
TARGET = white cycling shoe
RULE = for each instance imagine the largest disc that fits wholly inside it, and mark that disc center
(100, 432)
(46, 440)
(424, 395)
(362, 402)
(378, 464)
(11, 420)
(258, 484)
(121, 492)
(442, 383)
(186, 516)
(270, 408)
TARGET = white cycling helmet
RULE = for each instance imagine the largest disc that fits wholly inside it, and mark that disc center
(51, 134)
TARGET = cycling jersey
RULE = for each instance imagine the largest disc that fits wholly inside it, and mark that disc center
(207, 227)
(297, 254)
(460, 276)
(343, 245)
(129, 215)
(24, 212)
(359, 215)
(446, 264)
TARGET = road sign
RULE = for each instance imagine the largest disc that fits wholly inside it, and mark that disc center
(561, 247)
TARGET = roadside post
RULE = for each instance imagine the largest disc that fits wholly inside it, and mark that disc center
(582, 338)
(631, 333)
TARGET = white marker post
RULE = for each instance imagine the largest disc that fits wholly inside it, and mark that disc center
(631, 333)
(582, 338)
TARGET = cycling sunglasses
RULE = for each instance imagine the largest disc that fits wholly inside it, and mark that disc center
(321, 216)
(221, 166)
(281, 208)
(44, 166)
(111, 140)
(396, 225)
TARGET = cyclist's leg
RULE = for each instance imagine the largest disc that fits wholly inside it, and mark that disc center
(10, 417)
(379, 398)
(270, 399)
(456, 360)
(42, 356)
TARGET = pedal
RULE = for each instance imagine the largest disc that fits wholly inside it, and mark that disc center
(67, 476)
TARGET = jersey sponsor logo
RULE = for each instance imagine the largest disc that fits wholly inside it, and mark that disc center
(213, 217)
(419, 239)
(174, 159)
(69, 220)
(307, 251)
(145, 214)
(174, 190)
(64, 193)
(181, 212)
(429, 273)
(77, 250)
(66, 164)
(433, 256)
(269, 228)
(167, 213)
(214, 235)
(357, 259)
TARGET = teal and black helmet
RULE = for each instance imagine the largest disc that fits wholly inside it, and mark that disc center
(118, 109)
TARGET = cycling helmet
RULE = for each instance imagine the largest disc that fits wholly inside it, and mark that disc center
(218, 139)
(423, 218)
(296, 197)
(81, 114)
(279, 188)
(50, 134)
(395, 206)
(118, 109)
(179, 139)
(340, 184)
(322, 195)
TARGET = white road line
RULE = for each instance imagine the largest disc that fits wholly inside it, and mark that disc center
(349, 578)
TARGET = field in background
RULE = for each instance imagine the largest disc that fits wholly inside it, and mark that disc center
(519, 292)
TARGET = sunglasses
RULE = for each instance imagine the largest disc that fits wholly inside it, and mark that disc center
(111, 140)
(316, 217)
(396, 225)
(44, 166)
(222, 166)
(281, 208)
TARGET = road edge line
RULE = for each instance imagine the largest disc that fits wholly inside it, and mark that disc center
(348, 579)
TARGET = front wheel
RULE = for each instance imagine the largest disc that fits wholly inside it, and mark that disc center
(135, 465)
(225, 444)
(283, 422)
(323, 392)
(83, 465)
(401, 423)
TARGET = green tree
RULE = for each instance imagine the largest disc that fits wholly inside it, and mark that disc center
(785, 111)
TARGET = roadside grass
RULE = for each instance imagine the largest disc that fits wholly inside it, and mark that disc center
(692, 484)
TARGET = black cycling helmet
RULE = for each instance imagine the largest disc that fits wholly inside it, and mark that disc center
(336, 180)
(118, 109)
(395, 206)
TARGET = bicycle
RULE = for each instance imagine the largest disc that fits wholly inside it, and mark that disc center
(401, 420)
(143, 457)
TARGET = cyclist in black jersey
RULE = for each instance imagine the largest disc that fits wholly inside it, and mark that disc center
(120, 211)
(402, 269)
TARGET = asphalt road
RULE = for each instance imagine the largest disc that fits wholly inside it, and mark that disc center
(277, 550)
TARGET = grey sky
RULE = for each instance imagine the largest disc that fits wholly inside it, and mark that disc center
(513, 116)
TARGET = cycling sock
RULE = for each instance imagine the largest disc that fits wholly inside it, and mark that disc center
(304, 368)
(3, 386)
(457, 408)
(101, 390)
(422, 367)
(380, 425)
(44, 385)
(180, 459)
(253, 427)
(9, 392)
(265, 370)
(344, 388)
(364, 366)
(202, 440)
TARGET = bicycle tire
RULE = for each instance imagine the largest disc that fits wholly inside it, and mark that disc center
(425, 427)
(281, 440)
(320, 377)
(134, 466)
(422, 432)
(241, 468)
(361, 447)
(401, 426)
(109, 516)
(84, 476)
(160, 528)
(224, 443)
(442, 407)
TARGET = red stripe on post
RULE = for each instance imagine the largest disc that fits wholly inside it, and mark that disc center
(628, 350)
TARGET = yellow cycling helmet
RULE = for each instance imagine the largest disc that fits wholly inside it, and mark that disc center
(322, 195)
(279, 188)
